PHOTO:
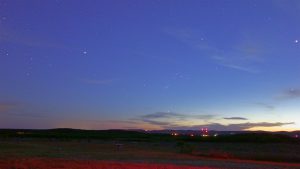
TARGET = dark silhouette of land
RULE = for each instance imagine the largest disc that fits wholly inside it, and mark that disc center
(156, 135)
(225, 150)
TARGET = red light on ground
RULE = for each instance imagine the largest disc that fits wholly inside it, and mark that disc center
(192, 135)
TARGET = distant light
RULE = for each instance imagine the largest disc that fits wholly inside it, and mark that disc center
(215, 135)
(296, 41)
(296, 136)
(174, 134)
(192, 135)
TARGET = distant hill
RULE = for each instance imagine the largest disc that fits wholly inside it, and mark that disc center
(158, 135)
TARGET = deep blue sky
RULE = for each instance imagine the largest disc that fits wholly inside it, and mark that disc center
(226, 65)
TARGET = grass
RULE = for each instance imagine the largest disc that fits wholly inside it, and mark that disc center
(41, 163)
(32, 149)
(137, 151)
(280, 152)
(99, 154)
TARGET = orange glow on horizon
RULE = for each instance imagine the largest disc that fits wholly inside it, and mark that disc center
(272, 129)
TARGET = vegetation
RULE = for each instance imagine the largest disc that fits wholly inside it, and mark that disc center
(38, 163)
(126, 135)
(89, 146)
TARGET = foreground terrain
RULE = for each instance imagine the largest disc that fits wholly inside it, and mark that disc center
(44, 154)
(70, 149)
(50, 163)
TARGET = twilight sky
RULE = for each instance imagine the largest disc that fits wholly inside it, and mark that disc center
(222, 64)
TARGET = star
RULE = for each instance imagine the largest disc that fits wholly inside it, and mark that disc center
(296, 41)
(84, 52)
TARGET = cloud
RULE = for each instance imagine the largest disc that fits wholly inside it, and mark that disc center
(172, 115)
(10, 36)
(158, 115)
(292, 93)
(6, 106)
(171, 119)
(244, 55)
(239, 67)
(98, 82)
(191, 37)
(100, 123)
(235, 118)
(265, 105)
(159, 123)
(14, 109)
(291, 6)
(233, 127)
(26, 115)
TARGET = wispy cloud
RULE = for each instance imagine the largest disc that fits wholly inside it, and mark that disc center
(239, 67)
(244, 55)
(26, 115)
(14, 109)
(265, 105)
(171, 119)
(6, 106)
(9, 36)
(234, 127)
(159, 123)
(292, 6)
(158, 115)
(172, 115)
(235, 118)
(98, 81)
(292, 93)
(100, 123)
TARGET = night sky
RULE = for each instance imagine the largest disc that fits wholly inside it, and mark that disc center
(132, 64)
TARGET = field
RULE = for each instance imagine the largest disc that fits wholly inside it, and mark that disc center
(40, 163)
(99, 154)
(120, 152)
